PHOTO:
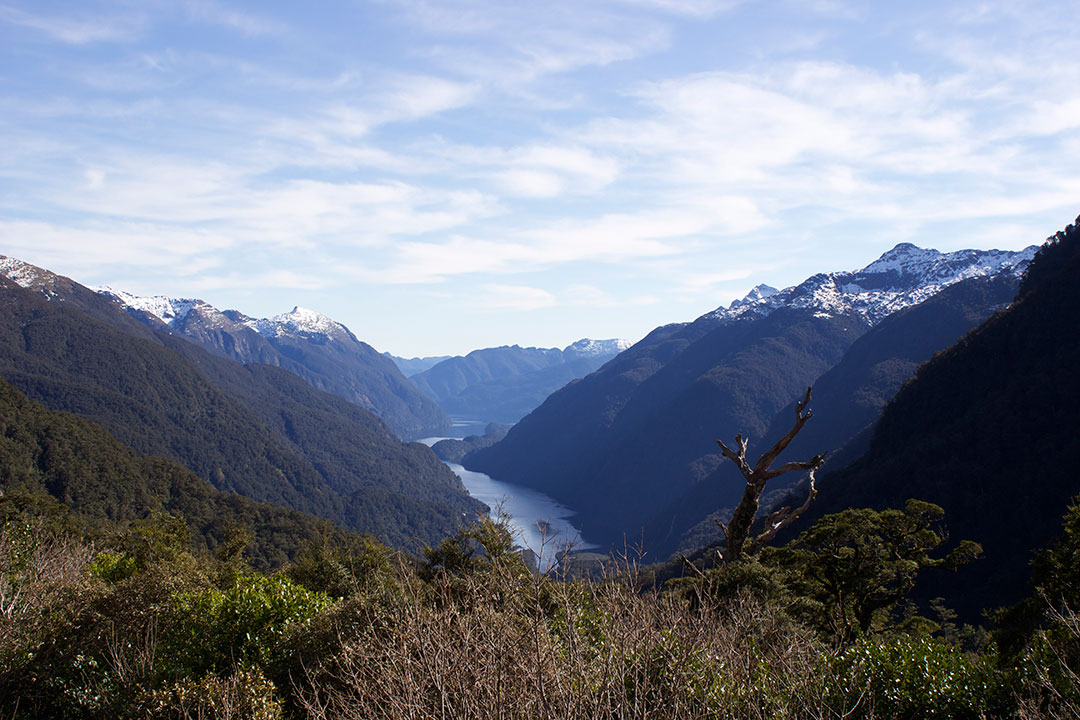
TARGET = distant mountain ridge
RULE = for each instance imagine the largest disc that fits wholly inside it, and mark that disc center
(900, 278)
(320, 350)
(414, 365)
(625, 444)
(503, 384)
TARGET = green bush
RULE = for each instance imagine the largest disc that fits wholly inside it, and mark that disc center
(242, 626)
(914, 677)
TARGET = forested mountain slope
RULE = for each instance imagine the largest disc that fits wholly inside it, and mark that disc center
(847, 399)
(106, 485)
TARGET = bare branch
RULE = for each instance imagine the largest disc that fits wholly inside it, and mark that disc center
(722, 526)
(691, 566)
(812, 464)
(739, 458)
(801, 416)
(784, 517)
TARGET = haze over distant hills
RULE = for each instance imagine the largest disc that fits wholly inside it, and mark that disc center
(318, 349)
(632, 445)
(503, 384)
(411, 366)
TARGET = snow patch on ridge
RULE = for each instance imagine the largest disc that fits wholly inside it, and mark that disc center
(28, 276)
(171, 311)
(168, 310)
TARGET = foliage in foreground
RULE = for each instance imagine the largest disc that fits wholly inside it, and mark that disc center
(149, 630)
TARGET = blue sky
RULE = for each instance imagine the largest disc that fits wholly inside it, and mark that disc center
(454, 174)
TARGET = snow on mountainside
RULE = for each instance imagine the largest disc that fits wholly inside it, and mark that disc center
(171, 311)
(168, 310)
(27, 275)
(903, 276)
(299, 321)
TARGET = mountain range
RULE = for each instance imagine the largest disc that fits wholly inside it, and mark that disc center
(503, 384)
(320, 350)
(254, 429)
(631, 448)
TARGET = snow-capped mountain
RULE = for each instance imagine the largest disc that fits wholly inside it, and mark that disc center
(26, 275)
(301, 321)
(903, 276)
(596, 348)
(320, 350)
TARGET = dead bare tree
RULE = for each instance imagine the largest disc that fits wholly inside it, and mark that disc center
(737, 531)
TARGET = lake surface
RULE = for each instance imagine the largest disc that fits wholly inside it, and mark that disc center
(541, 523)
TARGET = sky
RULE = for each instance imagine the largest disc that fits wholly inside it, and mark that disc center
(444, 175)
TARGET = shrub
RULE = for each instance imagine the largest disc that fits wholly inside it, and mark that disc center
(217, 630)
(913, 677)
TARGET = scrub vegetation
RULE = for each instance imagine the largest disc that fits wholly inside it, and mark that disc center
(149, 624)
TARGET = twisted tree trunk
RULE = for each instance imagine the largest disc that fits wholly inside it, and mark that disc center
(737, 531)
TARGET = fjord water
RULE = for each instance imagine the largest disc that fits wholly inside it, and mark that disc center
(541, 523)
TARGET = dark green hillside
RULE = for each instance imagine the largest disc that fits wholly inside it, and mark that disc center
(988, 430)
(107, 485)
(223, 420)
(569, 430)
(847, 398)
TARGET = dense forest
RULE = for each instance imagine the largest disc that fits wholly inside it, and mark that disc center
(988, 430)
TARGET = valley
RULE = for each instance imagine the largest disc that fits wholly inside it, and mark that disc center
(924, 367)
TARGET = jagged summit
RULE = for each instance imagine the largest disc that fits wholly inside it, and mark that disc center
(174, 311)
(298, 320)
(905, 275)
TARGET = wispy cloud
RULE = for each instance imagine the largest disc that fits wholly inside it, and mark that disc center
(77, 31)
(513, 297)
(216, 13)
(536, 156)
